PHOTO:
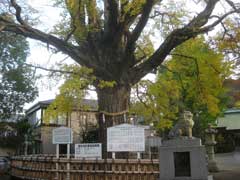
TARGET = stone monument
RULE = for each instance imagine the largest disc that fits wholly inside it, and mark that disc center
(183, 127)
(183, 157)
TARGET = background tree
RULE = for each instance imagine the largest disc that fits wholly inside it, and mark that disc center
(17, 85)
(103, 36)
(12, 134)
(191, 80)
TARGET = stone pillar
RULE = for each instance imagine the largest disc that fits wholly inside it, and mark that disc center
(209, 144)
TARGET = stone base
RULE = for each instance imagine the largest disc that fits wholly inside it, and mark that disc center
(174, 149)
(210, 177)
(212, 166)
(183, 178)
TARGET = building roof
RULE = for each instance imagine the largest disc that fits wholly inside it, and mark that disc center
(91, 104)
(231, 111)
(230, 120)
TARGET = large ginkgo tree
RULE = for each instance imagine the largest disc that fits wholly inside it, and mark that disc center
(106, 36)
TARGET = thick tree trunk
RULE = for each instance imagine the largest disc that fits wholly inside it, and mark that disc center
(113, 103)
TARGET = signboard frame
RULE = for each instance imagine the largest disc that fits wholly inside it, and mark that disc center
(125, 138)
(62, 135)
(88, 151)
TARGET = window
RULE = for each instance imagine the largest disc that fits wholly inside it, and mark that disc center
(60, 120)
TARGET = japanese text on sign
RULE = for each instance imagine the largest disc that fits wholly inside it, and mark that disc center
(62, 135)
(125, 138)
(89, 151)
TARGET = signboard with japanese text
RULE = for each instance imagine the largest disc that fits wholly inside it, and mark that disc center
(125, 138)
(88, 150)
(62, 135)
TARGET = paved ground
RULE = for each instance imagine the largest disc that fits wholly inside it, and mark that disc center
(229, 165)
(4, 177)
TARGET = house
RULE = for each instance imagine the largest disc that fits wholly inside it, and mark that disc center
(228, 127)
(80, 120)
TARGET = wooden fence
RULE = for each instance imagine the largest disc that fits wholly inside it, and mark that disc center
(44, 168)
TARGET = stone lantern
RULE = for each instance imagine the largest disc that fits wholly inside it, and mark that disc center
(209, 144)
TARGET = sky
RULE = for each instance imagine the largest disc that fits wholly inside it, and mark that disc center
(39, 54)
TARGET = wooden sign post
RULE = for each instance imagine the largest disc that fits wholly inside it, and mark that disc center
(62, 135)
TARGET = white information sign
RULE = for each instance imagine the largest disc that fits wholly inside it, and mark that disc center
(125, 138)
(62, 135)
(88, 150)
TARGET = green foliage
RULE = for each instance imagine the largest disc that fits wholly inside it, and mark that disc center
(84, 17)
(103, 84)
(145, 47)
(157, 102)
(16, 132)
(71, 92)
(191, 80)
(173, 14)
(228, 42)
(132, 8)
(17, 80)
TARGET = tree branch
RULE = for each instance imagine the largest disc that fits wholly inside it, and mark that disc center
(111, 16)
(75, 52)
(220, 19)
(178, 36)
(233, 5)
(70, 33)
(18, 12)
(50, 70)
(141, 24)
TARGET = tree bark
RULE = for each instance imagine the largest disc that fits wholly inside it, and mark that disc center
(113, 106)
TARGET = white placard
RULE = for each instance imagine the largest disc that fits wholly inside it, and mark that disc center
(125, 138)
(62, 135)
(88, 150)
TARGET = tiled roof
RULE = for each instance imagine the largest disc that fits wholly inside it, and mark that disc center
(91, 104)
(230, 120)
